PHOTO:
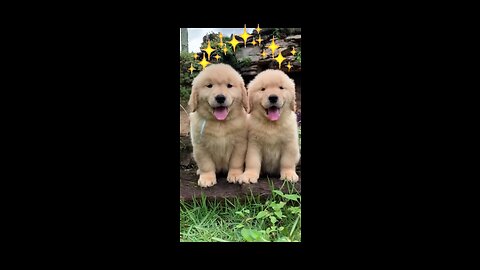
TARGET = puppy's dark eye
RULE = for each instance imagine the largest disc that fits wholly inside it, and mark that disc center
(210, 85)
(263, 89)
(229, 85)
(281, 87)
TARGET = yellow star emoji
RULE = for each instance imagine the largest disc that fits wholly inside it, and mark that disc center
(279, 59)
(217, 57)
(273, 46)
(263, 54)
(259, 40)
(204, 62)
(293, 51)
(208, 50)
(234, 42)
(289, 66)
(221, 39)
(258, 29)
(245, 35)
(254, 42)
(191, 68)
(195, 55)
(225, 50)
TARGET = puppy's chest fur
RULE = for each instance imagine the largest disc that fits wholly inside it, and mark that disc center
(272, 139)
(219, 139)
(269, 135)
(218, 136)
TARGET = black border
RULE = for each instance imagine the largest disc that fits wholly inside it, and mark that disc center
(364, 109)
(108, 179)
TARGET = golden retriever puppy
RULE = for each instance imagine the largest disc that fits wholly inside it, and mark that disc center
(218, 123)
(272, 128)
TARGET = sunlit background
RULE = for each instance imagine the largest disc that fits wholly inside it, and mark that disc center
(195, 35)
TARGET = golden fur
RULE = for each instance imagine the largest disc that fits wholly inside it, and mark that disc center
(223, 144)
(272, 145)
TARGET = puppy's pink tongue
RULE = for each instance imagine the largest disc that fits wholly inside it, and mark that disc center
(220, 113)
(273, 113)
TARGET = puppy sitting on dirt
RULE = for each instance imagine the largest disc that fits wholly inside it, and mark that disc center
(272, 128)
(218, 123)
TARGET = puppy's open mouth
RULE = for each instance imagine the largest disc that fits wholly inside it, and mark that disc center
(220, 112)
(273, 113)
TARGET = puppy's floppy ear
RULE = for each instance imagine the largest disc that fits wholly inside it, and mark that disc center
(293, 103)
(250, 87)
(250, 101)
(245, 98)
(193, 102)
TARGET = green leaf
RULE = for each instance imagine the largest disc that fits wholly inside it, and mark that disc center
(273, 205)
(273, 219)
(294, 209)
(281, 228)
(292, 197)
(254, 235)
(239, 226)
(247, 235)
(271, 229)
(283, 239)
(278, 206)
(279, 192)
(240, 213)
(279, 214)
(246, 211)
(262, 214)
(260, 236)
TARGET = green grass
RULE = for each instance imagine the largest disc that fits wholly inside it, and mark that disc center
(277, 219)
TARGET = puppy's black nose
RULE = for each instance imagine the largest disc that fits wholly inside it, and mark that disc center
(220, 99)
(273, 98)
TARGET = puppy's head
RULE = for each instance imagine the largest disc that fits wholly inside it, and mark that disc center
(217, 92)
(270, 93)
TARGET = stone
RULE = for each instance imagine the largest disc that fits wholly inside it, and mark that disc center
(296, 38)
(259, 64)
(249, 52)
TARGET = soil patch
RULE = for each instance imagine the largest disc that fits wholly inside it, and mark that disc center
(224, 190)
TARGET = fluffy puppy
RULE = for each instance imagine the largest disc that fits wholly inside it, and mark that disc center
(218, 123)
(272, 128)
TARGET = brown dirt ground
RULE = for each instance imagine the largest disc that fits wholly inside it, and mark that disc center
(224, 190)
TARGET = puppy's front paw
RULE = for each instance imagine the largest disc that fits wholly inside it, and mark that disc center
(207, 180)
(289, 175)
(248, 177)
(233, 175)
